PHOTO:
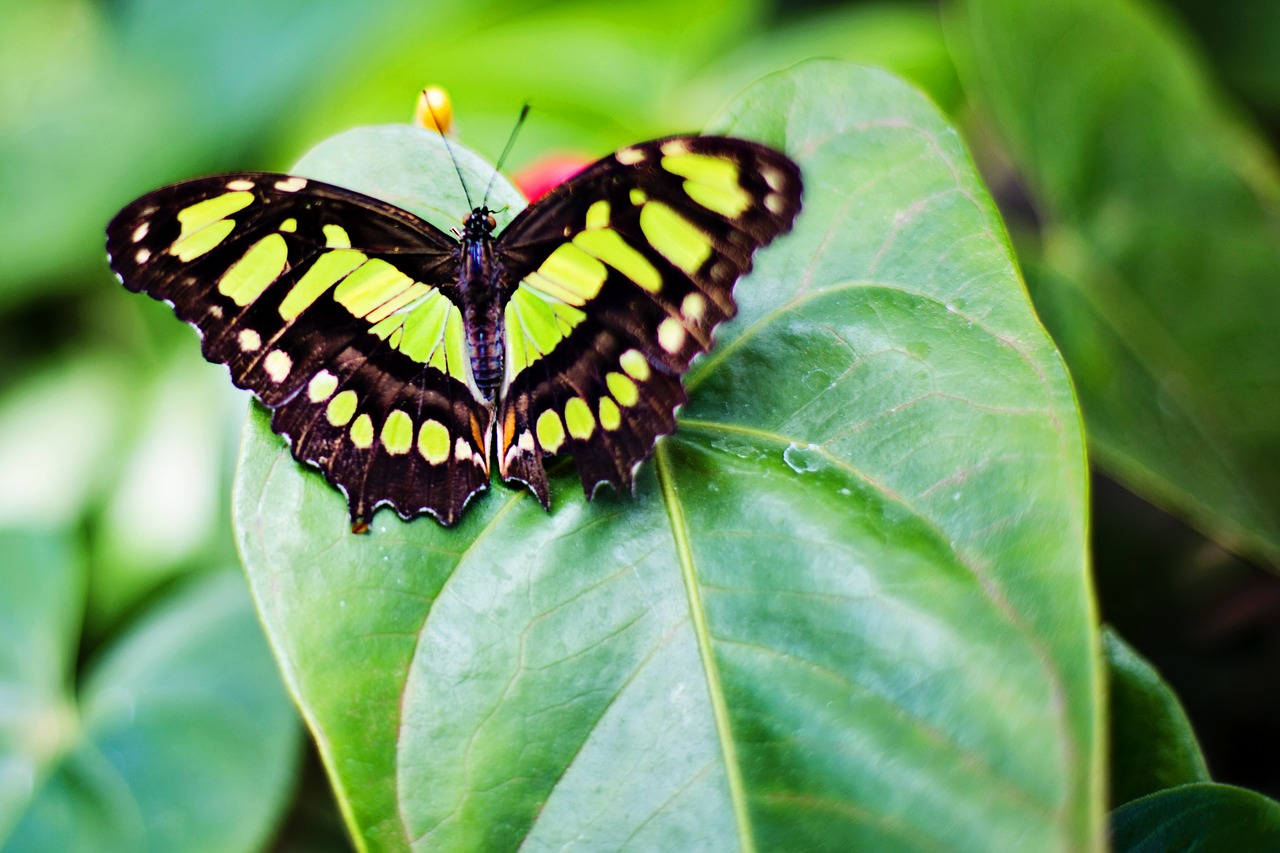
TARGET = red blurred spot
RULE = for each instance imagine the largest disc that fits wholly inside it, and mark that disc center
(546, 174)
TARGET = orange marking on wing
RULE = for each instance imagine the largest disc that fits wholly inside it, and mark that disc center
(508, 430)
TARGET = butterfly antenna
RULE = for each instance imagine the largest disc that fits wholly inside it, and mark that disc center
(449, 148)
(511, 140)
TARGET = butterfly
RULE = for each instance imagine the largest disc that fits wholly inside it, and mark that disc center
(400, 360)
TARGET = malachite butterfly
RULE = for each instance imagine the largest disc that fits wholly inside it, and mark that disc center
(401, 361)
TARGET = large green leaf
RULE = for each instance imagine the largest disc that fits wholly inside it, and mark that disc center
(1152, 744)
(1199, 818)
(179, 738)
(1160, 249)
(847, 605)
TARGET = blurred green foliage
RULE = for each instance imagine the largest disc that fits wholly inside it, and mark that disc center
(117, 440)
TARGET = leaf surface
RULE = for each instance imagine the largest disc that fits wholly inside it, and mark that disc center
(1152, 744)
(1199, 818)
(848, 604)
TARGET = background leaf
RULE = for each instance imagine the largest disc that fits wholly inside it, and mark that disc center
(179, 738)
(1158, 252)
(1200, 818)
(1152, 744)
(868, 529)
(41, 598)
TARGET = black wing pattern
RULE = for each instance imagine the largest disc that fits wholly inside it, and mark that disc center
(332, 308)
(620, 277)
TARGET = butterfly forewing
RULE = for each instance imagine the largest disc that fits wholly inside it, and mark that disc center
(622, 274)
(331, 307)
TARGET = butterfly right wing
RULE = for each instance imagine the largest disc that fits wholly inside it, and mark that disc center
(332, 308)
(623, 273)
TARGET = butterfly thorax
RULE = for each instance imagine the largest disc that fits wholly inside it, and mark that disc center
(481, 299)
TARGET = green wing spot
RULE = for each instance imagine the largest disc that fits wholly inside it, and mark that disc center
(537, 321)
(727, 203)
(635, 364)
(323, 274)
(369, 287)
(455, 342)
(622, 389)
(397, 433)
(518, 355)
(424, 327)
(433, 442)
(202, 241)
(609, 246)
(598, 215)
(550, 431)
(610, 417)
(704, 168)
(536, 324)
(570, 275)
(713, 182)
(577, 417)
(253, 273)
(335, 237)
(341, 408)
(362, 432)
(204, 213)
(675, 238)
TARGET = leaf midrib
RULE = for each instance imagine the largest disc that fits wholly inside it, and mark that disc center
(702, 633)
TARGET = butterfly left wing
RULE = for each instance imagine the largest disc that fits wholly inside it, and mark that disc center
(332, 308)
(621, 276)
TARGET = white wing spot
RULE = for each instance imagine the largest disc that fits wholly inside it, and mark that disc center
(322, 386)
(461, 450)
(143, 256)
(671, 335)
(775, 203)
(277, 364)
(215, 311)
(141, 231)
(694, 307)
(773, 178)
(512, 452)
(675, 147)
(629, 156)
(291, 185)
(240, 185)
(249, 340)
(525, 441)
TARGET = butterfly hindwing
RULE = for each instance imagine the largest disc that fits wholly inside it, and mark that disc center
(622, 274)
(330, 306)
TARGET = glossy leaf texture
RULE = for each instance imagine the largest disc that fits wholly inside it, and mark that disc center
(178, 737)
(848, 605)
(1152, 743)
(1198, 818)
(1158, 255)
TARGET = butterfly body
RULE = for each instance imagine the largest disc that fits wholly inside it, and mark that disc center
(481, 294)
(402, 362)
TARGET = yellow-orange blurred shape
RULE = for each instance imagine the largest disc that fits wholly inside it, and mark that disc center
(434, 110)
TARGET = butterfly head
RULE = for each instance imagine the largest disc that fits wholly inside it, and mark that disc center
(479, 223)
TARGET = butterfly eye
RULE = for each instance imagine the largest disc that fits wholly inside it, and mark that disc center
(493, 223)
